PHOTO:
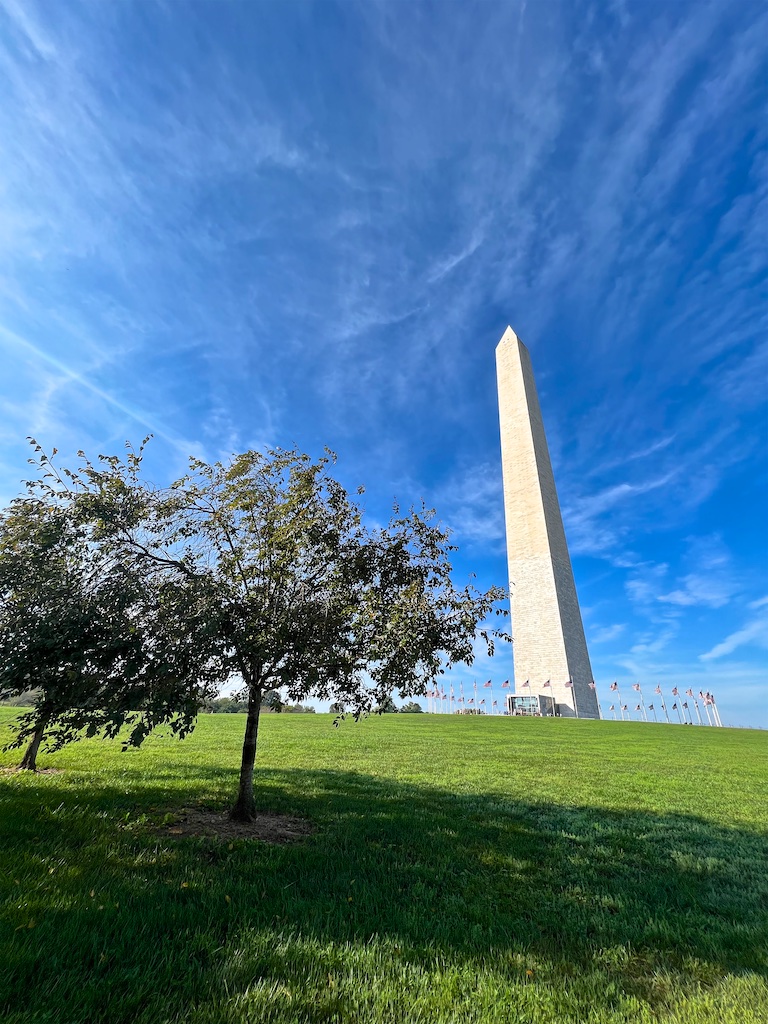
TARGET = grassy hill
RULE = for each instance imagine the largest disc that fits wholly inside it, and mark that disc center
(463, 870)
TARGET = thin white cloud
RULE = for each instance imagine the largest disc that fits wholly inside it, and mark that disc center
(754, 633)
(699, 589)
(11, 339)
(711, 583)
(449, 263)
(604, 634)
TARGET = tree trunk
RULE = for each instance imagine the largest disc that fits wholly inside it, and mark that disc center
(29, 761)
(245, 806)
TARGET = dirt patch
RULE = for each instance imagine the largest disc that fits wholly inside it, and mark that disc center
(269, 828)
(14, 770)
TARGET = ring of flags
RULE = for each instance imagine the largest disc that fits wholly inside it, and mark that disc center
(441, 702)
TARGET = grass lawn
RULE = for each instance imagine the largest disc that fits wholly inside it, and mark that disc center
(463, 869)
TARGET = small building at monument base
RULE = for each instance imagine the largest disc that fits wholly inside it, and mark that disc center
(532, 704)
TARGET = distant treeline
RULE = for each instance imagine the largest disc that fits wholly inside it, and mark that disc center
(22, 700)
(271, 702)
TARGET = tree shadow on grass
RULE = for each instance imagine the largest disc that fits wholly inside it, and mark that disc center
(125, 919)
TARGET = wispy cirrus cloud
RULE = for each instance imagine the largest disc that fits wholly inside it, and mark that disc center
(754, 633)
(605, 634)
(207, 231)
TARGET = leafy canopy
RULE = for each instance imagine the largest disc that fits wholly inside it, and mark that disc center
(259, 568)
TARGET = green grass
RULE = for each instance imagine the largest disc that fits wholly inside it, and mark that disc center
(463, 870)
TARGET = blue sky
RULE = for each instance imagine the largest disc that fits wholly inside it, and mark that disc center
(238, 224)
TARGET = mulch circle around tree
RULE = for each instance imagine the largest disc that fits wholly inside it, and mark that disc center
(269, 828)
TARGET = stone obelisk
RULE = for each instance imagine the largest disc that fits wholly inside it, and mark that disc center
(549, 642)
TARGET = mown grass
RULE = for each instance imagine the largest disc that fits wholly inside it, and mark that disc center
(463, 870)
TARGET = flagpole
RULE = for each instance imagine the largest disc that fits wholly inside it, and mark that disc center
(637, 689)
(621, 702)
(709, 717)
(613, 709)
(614, 688)
(675, 707)
(489, 686)
(707, 709)
(597, 698)
(697, 711)
(575, 702)
(716, 711)
(663, 704)
(550, 695)
(653, 709)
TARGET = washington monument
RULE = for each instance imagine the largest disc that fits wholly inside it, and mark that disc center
(549, 643)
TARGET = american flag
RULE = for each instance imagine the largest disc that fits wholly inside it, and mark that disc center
(614, 686)
(471, 700)
(527, 682)
(569, 683)
(637, 708)
(495, 703)
(675, 692)
(548, 683)
(611, 708)
(685, 704)
(636, 686)
(674, 707)
(591, 686)
(650, 707)
(489, 683)
(689, 693)
(625, 708)
(657, 690)
(460, 700)
(505, 685)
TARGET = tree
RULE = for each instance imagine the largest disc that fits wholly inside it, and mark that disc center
(386, 707)
(93, 641)
(273, 701)
(271, 553)
(411, 708)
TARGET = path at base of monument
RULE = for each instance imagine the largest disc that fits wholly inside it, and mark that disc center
(462, 869)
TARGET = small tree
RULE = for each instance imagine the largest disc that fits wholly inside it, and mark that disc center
(411, 708)
(270, 552)
(272, 701)
(95, 642)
